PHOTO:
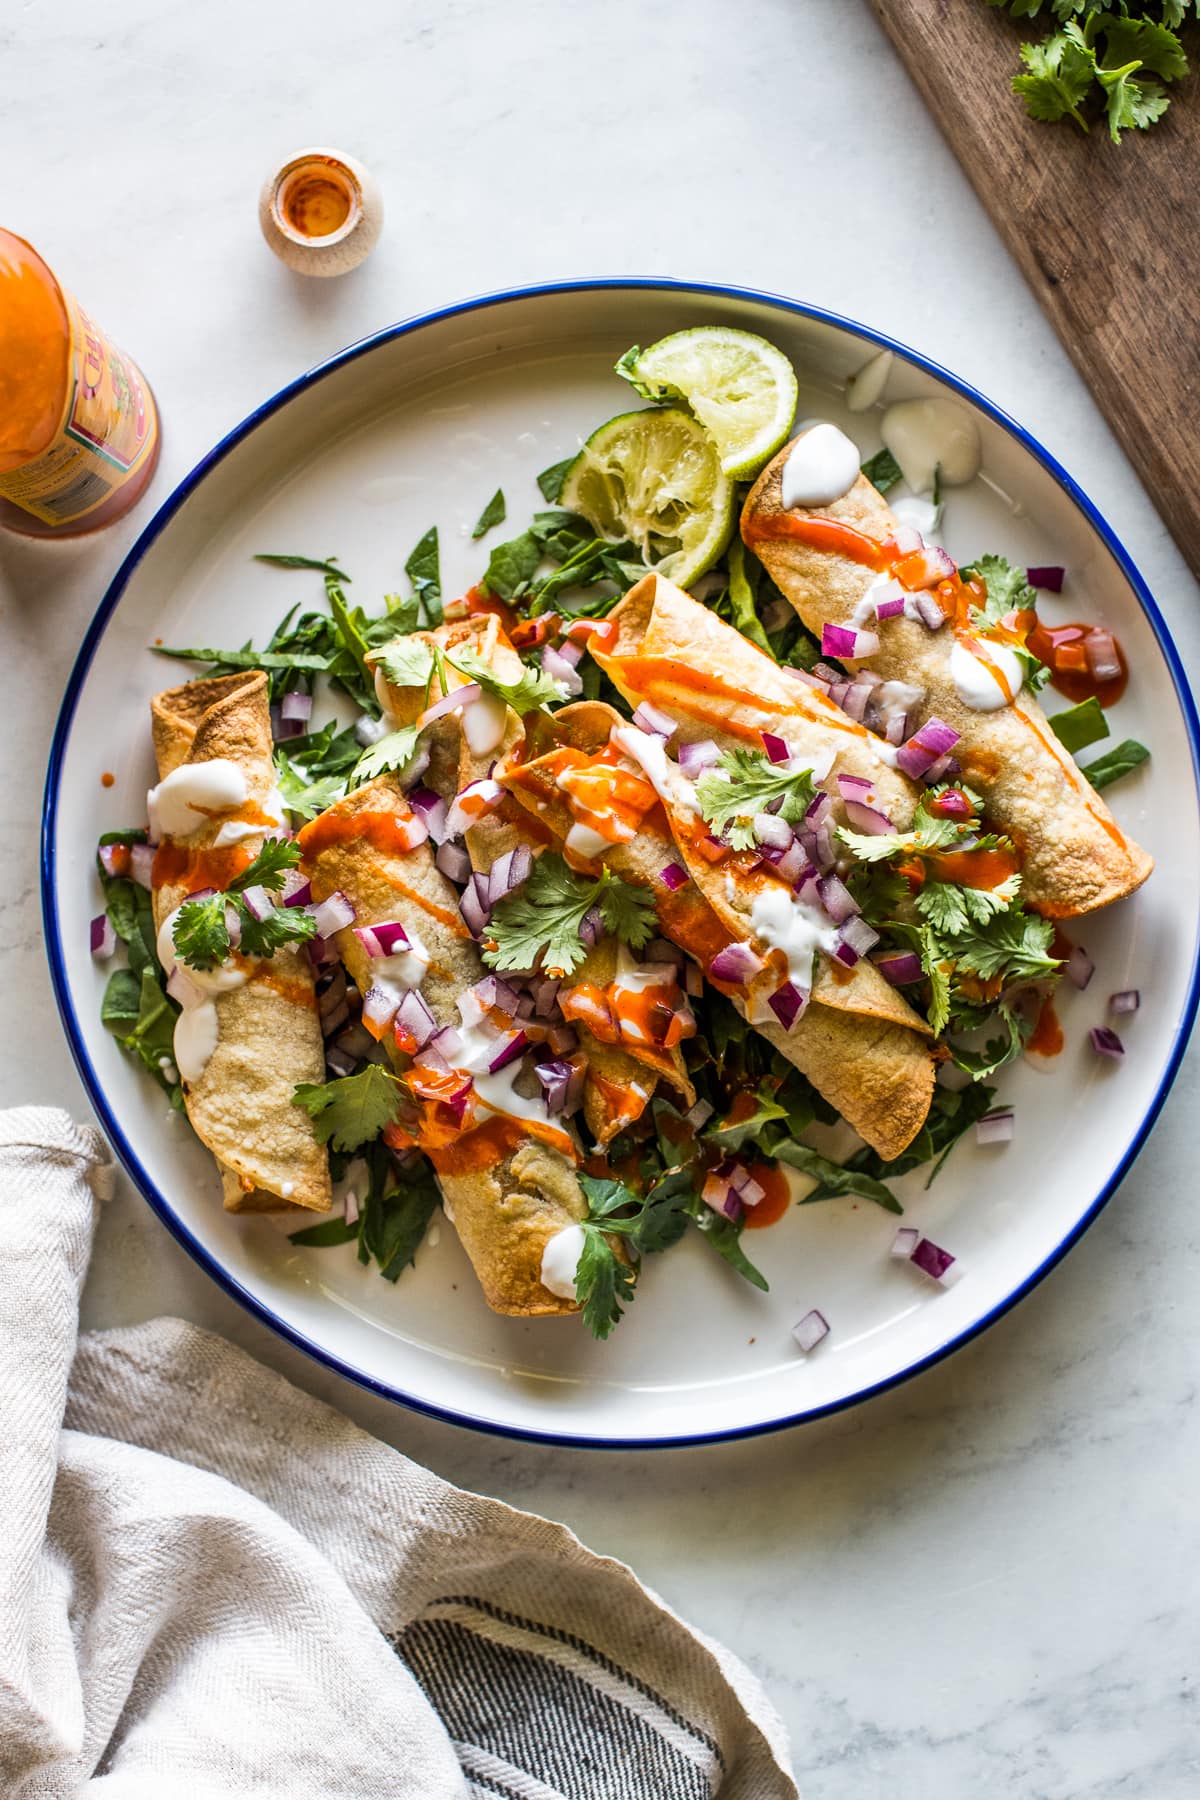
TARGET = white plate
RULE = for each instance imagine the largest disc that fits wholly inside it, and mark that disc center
(420, 425)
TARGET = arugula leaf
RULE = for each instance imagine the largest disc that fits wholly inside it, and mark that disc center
(230, 661)
(743, 612)
(512, 567)
(1080, 725)
(328, 567)
(423, 569)
(883, 471)
(352, 1109)
(543, 918)
(394, 751)
(553, 480)
(1122, 759)
(746, 782)
(836, 1179)
(723, 1236)
(651, 1223)
(305, 798)
(494, 513)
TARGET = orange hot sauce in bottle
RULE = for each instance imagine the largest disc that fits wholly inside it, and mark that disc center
(78, 425)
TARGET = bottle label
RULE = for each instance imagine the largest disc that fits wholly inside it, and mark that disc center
(109, 427)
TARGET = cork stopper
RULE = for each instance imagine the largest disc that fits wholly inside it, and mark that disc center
(321, 212)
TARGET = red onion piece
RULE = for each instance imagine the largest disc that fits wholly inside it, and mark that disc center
(788, 1003)
(654, 720)
(494, 991)
(843, 641)
(414, 1023)
(859, 935)
(1079, 968)
(818, 809)
(334, 914)
(320, 953)
(693, 980)
(854, 700)
(508, 872)
(1127, 1001)
(928, 611)
(845, 953)
(432, 809)
(718, 1194)
(516, 1046)
(695, 758)
(571, 653)
(932, 1260)
(907, 539)
(926, 567)
(473, 909)
(946, 768)
(901, 969)
(867, 819)
(591, 928)
(953, 804)
(337, 1061)
(904, 1243)
(297, 891)
(792, 863)
(103, 937)
(562, 1039)
(995, 1127)
(453, 861)
(141, 864)
(1105, 1042)
(776, 748)
(477, 798)
(674, 876)
(735, 963)
(459, 696)
(296, 705)
(837, 899)
(1100, 648)
(378, 1010)
(258, 902)
(1049, 578)
(555, 1078)
(889, 609)
(896, 729)
(854, 787)
(560, 669)
(808, 678)
(773, 831)
(811, 1329)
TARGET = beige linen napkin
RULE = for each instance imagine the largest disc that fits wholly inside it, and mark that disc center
(213, 1585)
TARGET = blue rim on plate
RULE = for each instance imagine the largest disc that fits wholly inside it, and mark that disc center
(166, 512)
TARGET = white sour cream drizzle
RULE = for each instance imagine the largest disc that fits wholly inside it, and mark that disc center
(196, 1029)
(584, 840)
(785, 923)
(650, 755)
(926, 436)
(821, 466)
(182, 799)
(917, 511)
(497, 1092)
(560, 1260)
(394, 975)
(976, 684)
(233, 831)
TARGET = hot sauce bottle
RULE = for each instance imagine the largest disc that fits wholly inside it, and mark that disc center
(78, 426)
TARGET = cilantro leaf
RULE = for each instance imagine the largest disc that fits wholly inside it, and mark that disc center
(553, 480)
(1080, 725)
(604, 1285)
(424, 571)
(746, 782)
(201, 932)
(406, 662)
(1014, 945)
(352, 1109)
(882, 471)
(303, 797)
(543, 918)
(394, 751)
(1122, 759)
(533, 688)
(1008, 589)
(1060, 73)
(282, 925)
(494, 513)
(268, 868)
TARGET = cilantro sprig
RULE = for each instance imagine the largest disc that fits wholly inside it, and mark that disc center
(1102, 63)
(544, 918)
(745, 783)
(353, 1109)
(201, 930)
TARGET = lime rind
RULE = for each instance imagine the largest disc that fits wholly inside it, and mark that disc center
(740, 387)
(655, 477)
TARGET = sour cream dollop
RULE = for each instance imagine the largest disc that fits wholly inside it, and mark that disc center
(976, 683)
(926, 436)
(821, 466)
(560, 1261)
(785, 923)
(183, 799)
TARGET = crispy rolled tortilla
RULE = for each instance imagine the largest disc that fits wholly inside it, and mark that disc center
(620, 1081)
(509, 1185)
(1075, 856)
(859, 1042)
(268, 1031)
(664, 647)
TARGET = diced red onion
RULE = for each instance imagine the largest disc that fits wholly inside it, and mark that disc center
(896, 729)
(808, 677)
(905, 1242)
(555, 1077)
(699, 1115)
(414, 1023)
(907, 539)
(493, 991)
(925, 568)
(468, 806)
(818, 809)
(445, 1044)
(735, 963)
(591, 927)
(103, 937)
(718, 1194)
(385, 939)
(776, 748)
(953, 804)
(811, 1329)
(946, 768)
(459, 696)
(545, 997)
(901, 969)
(473, 909)
(792, 863)
(859, 935)
(922, 750)
(378, 1010)
(867, 819)
(1079, 968)
(1050, 578)
(571, 653)
(928, 611)
(837, 899)
(854, 700)
(296, 705)
(1105, 1042)
(562, 1039)
(560, 669)
(334, 914)
(141, 864)
(854, 787)
(889, 609)
(693, 980)
(432, 809)
(695, 758)
(845, 953)
(932, 1260)
(1127, 1001)
(320, 953)
(995, 1127)
(842, 641)
(674, 876)
(258, 902)
(508, 872)
(788, 1003)
(297, 890)
(516, 1046)
(281, 728)
(1100, 648)
(453, 861)
(653, 719)
(773, 831)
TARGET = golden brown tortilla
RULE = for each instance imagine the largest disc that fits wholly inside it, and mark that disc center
(665, 647)
(862, 1049)
(270, 1034)
(504, 1214)
(1075, 855)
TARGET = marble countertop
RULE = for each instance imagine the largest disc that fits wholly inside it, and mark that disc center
(985, 1581)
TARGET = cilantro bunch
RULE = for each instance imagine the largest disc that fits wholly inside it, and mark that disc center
(1102, 62)
(542, 922)
(201, 931)
(745, 783)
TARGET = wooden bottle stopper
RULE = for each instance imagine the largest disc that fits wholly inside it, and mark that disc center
(321, 212)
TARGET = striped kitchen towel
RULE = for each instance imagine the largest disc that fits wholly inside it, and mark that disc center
(213, 1585)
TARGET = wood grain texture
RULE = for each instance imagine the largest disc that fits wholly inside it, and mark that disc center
(1108, 236)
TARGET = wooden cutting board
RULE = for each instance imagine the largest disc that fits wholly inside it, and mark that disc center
(1108, 237)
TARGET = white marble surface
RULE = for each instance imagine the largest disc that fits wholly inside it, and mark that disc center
(984, 1583)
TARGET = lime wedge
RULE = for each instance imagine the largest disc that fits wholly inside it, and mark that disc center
(655, 477)
(742, 389)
